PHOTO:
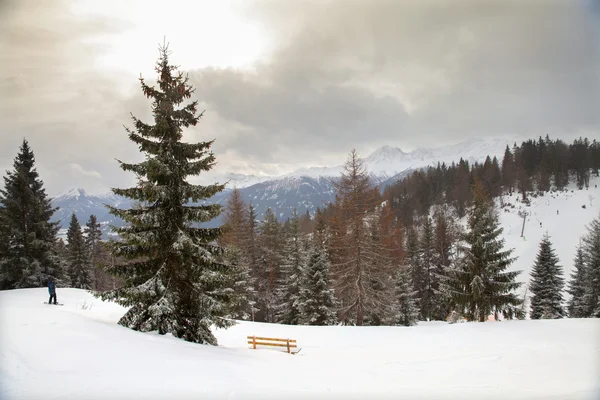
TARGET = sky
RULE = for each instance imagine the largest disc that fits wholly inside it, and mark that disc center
(291, 84)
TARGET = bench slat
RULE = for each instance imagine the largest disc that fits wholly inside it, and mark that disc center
(273, 339)
(274, 344)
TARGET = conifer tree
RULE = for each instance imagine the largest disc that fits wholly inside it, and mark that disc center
(250, 248)
(480, 284)
(235, 220)
(270, 268)
(242, 296)
(95, 250)
(355, 267)
(413, 259)
(577, 285)
(406, 310)
(28, 254)
(77, 257)
(235, 225)
(174, 281)
(293, 264)
(317, 303)
(591, 297)
(546, 283)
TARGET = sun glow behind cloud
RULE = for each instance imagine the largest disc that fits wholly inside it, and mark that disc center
(202, 33)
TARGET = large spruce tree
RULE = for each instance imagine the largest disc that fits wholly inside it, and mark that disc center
(28, 254)
(480, 285)
(546, 284)
(577, 285)
(79, 266)
(591, 297)
(173, 280)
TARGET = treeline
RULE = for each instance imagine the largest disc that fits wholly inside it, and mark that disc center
(30, 251)
(531, 167)
(355, 262)
(363, 265)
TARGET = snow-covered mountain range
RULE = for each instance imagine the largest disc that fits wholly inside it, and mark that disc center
(303, 189)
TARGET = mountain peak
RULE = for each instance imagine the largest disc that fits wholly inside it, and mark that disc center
(385, 154)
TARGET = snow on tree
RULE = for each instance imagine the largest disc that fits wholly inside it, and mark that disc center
(546, 283)
(28, 253)
(480, 284)
(406, 310)
(174, 281)
(591, 297)
(293, 263)
(79, 267)
(316, 301)
(355, 266)
(577, 285)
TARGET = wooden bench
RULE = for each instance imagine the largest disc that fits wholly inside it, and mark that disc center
(289, 344)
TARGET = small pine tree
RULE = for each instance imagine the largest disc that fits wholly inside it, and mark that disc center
(28, 254)
(480, 285)
(591, 297)
(291, 271)
(77, 257)
(406, 310)
(576, 306)
(316, 302)
(546, 284)
(174, 281)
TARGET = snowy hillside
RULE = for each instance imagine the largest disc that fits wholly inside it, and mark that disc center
(78, 352)
(564, 228)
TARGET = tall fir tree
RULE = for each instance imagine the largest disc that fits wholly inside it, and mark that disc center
(292, 266)
(317, 302)
(174, 281)
(480, 285)
(577, 285)
(80, 273)
(546, 284)
(28, 255)
(591, 242)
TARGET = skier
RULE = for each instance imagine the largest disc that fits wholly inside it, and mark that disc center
(52, 290)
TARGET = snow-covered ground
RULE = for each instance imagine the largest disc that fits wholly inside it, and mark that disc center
(565, 228)
(78, 352)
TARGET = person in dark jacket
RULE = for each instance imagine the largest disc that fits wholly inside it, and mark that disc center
(52, 291)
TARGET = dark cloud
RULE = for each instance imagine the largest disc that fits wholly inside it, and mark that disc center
(356, 72)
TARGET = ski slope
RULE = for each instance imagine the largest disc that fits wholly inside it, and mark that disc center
(565, 228)
(79, 352)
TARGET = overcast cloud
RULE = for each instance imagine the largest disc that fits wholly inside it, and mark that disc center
(342, 74)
